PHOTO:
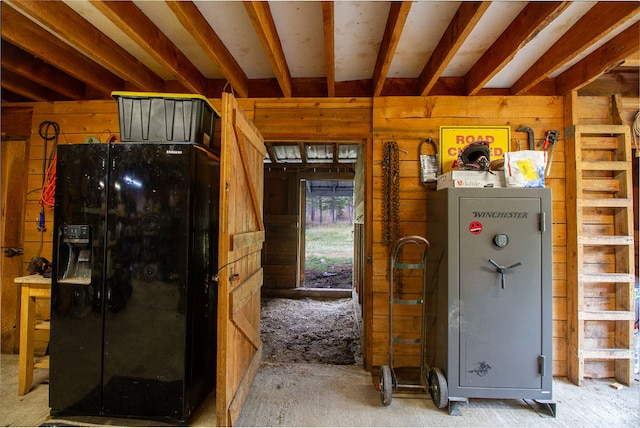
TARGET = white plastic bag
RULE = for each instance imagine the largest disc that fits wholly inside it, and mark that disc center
(525, 168)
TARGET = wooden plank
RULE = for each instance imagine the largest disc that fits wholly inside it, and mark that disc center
(606, 315)
(600, 185)
(607, 277)
(393, 30)
(605, 240)
(606, 354)
(262, 20)
(242, 294)
(389, 112)
(223, 324)
(328, 25)
(248, 329)
(604, 166)
(605, 202)
(14, 165)
(248, 131)
(243, 389)
(243, 240)
(314, 123)
(309, 103)
(248, 173)
(601, 130)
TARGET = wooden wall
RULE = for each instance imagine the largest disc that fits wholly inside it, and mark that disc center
(402, 119)
(408, 120)
(77, 120)
(282, 225)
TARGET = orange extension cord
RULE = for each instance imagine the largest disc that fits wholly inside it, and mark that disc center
(48, 193)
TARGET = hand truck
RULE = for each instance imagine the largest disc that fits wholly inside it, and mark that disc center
(415, 255)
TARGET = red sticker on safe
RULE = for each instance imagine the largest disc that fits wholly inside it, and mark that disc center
(475, 227)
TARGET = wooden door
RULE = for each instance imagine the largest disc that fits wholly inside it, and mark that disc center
(240, 273)
(14, 168)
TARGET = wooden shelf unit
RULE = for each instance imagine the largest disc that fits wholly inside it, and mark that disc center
(600, 240)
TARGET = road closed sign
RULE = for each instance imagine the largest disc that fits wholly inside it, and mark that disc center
(453, 139)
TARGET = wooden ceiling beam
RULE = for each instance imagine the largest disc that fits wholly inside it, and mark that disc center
(134, 23)
(303, 153)
(463, 22)
(600, 61)
(27, 88)
(328, 24)
(32, 68)
(8, 96)
(68, 25)
(393, 30)
(529, 22)
(28, 36)
(193, 21)
(600, 21)
(262, 20)
(272, 154)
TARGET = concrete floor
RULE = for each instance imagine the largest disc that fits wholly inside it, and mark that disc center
(325, 395)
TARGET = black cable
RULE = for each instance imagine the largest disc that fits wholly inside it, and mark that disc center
(45, 136)
(43, 131)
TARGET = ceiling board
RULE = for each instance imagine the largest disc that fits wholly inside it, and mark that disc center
(167, 22)
(632, 21)
(426, 23)
(91, 14)
(219, 46)
(359, 27)
(495, 20)
(231, 23)
(299, 26)
(536, 47)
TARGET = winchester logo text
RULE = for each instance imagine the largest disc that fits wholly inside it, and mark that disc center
(499, 214)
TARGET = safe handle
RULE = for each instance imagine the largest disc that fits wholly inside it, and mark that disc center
(502, 269)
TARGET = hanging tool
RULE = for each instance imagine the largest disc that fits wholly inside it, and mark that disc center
(529, 131)
(547, 144)
(429, 165)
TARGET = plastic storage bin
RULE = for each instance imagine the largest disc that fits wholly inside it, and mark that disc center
(155, 117)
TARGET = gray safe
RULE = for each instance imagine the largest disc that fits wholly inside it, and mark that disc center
(489, 295)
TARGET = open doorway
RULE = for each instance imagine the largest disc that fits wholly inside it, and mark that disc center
(328, 234)
(309, 223)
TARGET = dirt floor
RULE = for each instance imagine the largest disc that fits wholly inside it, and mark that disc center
(310, 331)
(337, 276)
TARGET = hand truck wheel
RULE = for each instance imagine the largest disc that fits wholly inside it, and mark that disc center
(438, 387)
(386, 385)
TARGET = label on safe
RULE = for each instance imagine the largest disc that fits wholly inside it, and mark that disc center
(475, 227)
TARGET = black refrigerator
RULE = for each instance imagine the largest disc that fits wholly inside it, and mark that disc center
(133, 309)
